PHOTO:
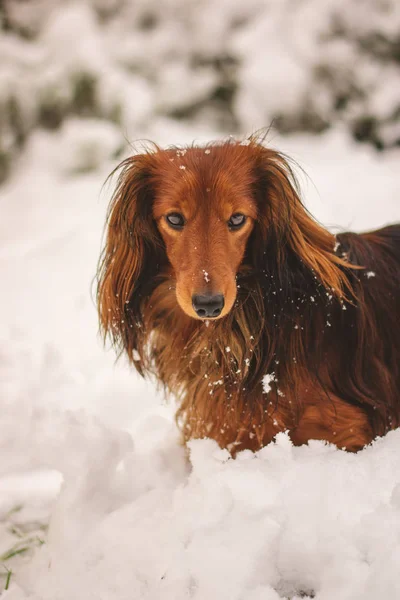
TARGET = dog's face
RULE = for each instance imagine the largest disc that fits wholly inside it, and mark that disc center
(192, 220)
(205, 215)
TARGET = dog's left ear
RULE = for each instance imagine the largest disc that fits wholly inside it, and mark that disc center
(131, 258)
(286, 222)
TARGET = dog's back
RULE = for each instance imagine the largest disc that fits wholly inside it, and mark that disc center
(365, 248)
(371, 328)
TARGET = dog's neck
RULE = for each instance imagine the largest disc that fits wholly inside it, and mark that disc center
(268, 331)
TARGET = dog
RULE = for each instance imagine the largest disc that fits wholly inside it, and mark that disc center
(215, 279)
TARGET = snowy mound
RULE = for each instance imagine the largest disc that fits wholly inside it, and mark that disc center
(138, 519)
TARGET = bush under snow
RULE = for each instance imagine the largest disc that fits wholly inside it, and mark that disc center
(237, 66)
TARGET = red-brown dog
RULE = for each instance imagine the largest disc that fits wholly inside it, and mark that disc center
(216, 279)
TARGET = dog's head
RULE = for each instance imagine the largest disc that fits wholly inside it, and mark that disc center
(205, 212)
(197, 217)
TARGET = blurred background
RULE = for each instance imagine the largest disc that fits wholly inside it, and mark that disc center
(82, 80)
(232, 66)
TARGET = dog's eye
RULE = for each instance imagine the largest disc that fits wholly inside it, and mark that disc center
(236, 221)
(175, 220)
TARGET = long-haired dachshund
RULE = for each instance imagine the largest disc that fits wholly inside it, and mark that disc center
(217, 280)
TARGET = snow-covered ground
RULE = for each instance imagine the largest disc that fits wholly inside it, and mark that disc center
(136, 517)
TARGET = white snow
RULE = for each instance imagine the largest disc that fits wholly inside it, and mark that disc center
(137, 519)
(266, 382)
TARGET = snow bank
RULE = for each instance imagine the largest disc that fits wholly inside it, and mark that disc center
(138, 519)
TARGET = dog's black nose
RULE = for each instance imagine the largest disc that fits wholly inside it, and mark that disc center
(208, 306)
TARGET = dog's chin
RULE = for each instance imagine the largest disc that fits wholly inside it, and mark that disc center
(206, 320)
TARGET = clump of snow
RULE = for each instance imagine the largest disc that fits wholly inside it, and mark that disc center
(266, 382)
(138, 518)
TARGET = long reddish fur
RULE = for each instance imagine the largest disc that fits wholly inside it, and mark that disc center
(308, 312)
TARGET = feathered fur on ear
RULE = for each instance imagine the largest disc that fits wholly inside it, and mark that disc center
(285, 222)
(131, 258)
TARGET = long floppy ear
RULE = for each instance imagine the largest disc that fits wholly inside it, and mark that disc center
(131, 258)
(285, 221)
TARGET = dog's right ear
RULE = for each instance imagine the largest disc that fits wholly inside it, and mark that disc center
(131, 257)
